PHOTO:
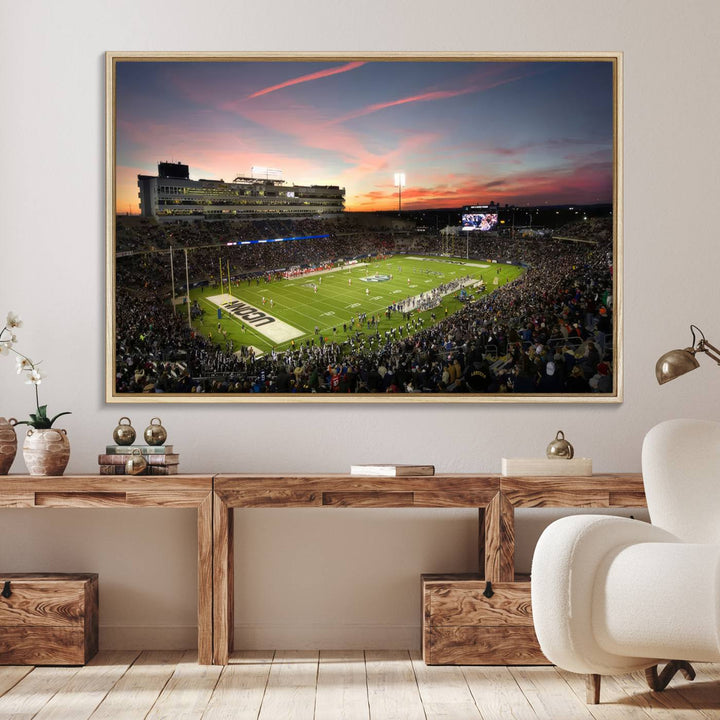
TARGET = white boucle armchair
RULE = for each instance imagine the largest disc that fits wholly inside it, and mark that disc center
(613, 595)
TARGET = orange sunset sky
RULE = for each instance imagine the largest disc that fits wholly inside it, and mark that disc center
(463, 132)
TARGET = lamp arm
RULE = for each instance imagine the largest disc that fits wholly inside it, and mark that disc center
(710, 350)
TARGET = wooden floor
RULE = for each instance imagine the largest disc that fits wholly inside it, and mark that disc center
(370, 685)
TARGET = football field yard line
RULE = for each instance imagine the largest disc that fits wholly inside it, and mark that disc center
(300, 326)
(294, 311)
(233, 320)
(269, 324)
(317, 300)
(264, 343)
(339, 298)
(286, 289)
(343, 313)
(295, 302)
(340, 314)
(337, 303)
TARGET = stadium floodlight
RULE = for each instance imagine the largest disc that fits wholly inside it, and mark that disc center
(678, 362)
(260, 171)
(399, 184)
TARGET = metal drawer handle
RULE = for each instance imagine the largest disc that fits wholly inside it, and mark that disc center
(6, 592)
(488, 592)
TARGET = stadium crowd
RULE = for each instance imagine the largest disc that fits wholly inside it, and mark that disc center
(549, 331)
(143, 249)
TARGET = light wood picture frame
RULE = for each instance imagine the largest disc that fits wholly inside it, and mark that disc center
(366, 227)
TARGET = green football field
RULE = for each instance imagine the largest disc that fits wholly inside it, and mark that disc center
(341, 296)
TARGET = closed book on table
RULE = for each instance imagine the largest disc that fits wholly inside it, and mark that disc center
(149, 470)
(162, 470)
(109, 459)
(547, 467)
(144, 449)
(392, 470)
(112, 469)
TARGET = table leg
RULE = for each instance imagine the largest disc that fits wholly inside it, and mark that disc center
(499, 545)
(205, 579)
(481, 542)
(223, 581)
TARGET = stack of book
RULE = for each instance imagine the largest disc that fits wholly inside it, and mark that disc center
(160, 459)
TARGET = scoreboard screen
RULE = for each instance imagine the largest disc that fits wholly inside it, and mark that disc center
(483, 221)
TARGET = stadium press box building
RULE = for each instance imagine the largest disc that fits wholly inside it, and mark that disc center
(173, 194)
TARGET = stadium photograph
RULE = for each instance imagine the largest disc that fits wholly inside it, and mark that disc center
(364, 228)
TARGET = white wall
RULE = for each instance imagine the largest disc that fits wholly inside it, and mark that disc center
(331, 578)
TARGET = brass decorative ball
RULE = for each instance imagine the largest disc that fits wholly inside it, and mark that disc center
(155, 433)
(124, 433)
(560, 448)
(136, 463)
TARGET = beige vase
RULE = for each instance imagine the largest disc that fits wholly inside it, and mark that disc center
(8, 444)
(46, 451)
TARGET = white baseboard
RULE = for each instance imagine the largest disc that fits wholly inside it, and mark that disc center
(269, 636)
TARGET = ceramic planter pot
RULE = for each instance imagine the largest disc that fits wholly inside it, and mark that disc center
(8, 444)
(47, 451)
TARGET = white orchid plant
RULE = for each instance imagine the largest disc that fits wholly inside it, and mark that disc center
(25, 366)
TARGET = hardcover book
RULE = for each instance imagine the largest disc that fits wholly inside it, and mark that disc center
(392, 470)
(112, 470)
(149, 470)
(162, 470)
(110, 459)
(548, 467)
(144, 449)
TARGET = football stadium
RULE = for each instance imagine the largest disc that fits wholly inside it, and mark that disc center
(314, 273)
(355, 303)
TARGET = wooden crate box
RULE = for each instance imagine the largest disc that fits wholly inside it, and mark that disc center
(461, 626)
(48, 618)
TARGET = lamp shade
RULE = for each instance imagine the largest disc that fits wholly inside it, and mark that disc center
(675, 363)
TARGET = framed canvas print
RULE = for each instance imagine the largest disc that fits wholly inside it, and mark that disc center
(364, 228)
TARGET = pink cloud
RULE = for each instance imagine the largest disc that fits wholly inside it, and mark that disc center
(352, 160)
(307, 126)
(307, 78)
(422, 97)
(480, 85)
(588, 183)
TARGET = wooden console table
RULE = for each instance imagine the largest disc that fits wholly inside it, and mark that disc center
(126, 491)
(215, 498)
(495, 497)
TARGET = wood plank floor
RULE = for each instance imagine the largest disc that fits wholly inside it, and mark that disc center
(347, 685)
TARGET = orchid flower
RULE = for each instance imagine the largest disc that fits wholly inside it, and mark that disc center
(25, 366)
(13, 320)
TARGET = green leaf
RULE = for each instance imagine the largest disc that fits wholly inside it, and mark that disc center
(42, 411)
(67, 412)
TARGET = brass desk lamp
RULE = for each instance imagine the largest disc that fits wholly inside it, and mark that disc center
(677, 362)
